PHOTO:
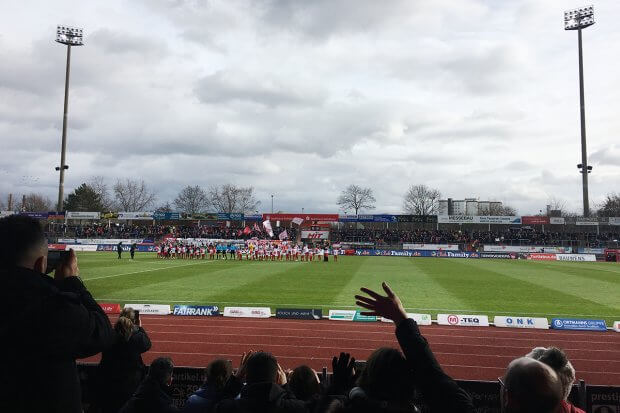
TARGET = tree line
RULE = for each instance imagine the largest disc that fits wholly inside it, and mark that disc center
(135, 195)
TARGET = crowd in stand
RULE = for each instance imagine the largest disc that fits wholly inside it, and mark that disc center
(55, 321)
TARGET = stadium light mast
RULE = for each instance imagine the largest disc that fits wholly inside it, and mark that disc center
(69, 36)
(578, 19)
(272, 203)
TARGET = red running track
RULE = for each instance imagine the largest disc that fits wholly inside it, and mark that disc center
(466, 353)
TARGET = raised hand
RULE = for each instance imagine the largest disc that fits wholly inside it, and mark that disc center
(343, 369)
(241, 371)
(67, 268)
(389, 306)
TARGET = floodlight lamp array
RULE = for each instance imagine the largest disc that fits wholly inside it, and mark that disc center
(579, 18)
(70, 36)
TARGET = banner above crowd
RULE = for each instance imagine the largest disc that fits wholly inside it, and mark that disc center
(478, 219)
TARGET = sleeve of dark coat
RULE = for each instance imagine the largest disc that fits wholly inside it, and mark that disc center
(78, 326)
(439, 390)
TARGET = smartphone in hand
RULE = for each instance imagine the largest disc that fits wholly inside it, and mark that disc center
(137, 315)
(55, 258)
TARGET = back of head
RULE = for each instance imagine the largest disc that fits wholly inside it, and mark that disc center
(218, 372)
(161, 370)
(557, 360)
(304, 383)
(130, 313)
(22, 240)
(124, 327)
(387, 376)
(531, 387)
(262, 367)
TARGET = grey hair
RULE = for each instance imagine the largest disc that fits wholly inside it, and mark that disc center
(557, 360)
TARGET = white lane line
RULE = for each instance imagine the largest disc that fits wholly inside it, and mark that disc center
(138, 272)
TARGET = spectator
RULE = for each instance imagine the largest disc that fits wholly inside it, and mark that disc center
(557, 360)
(304, 383)
(264, 391)
(121, 369)
(53, 322)
(153, 395)
(530, 386)
(213, 390)
(439, 391)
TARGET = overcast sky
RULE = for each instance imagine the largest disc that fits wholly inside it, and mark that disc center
(298, 98)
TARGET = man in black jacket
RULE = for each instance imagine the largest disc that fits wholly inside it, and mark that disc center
(50, 323)
(440, 392)
(264, 391)
(153, 394)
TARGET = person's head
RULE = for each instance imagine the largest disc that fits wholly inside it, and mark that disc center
(124, 327)
(387, 376)
(22, 244)
(530, 386)
(130, 313)
(304, 383)
(262, 367)
(557, 360)
(161, 371)
(218, 372)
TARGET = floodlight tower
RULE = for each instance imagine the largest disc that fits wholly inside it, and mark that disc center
(69, 36)
(578, 19)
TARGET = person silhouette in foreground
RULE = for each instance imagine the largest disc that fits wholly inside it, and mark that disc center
(389, 380)
(530, 386)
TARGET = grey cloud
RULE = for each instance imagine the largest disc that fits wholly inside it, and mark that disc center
(223, 87)
(607, 156)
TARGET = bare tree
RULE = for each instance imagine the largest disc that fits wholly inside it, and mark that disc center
(556, 207)
(164, 208)
(98, 184)
(421, 200)
(2, 205)
(356, 198)
(610, 206)
(132, 195)
(230, 198)
(35, 203)
(192, 199)
(503, 210)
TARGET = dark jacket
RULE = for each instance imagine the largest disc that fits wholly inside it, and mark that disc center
(262, 398)
(151, 397)
(48, 325)
(440, 393)
(203, 400)
(121, 369)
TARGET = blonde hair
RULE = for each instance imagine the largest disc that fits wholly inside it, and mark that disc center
(124, 327)
(557, 360)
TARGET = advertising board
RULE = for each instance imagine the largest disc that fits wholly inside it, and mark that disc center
(614, 220)
(6, 213)
(431, 247)
(136, 216)
(364, 318)
(535, 220)
(35, 215)
(540, 256)
(159, 309)
(591, 250)
(300, 313)
(527, 248)
(578, 324)
(305, 217)
(196, 310)
(82, 215)
(250, 312)
(463, 320)
(557, 221)
(166, 216)
(315, 235)
(459, 254)
(602, 399)
(384, 218)
(499, 255)
(233, 216)
(521, 322)
(576, 257)
(478, 219)
(83, 248)
(617, 326)
(420, 319)
(394, 253)
(110, 308)
(342, 315)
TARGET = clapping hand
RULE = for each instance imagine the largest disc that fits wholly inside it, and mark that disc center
(388, 307)
(241, 371)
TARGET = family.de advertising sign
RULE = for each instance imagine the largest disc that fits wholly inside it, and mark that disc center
(305, 217)
(482, 219)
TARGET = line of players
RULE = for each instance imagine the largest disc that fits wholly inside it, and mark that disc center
(261, 251)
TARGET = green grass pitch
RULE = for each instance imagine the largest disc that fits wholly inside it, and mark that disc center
(432, 285)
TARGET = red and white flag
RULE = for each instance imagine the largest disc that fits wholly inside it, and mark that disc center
(297, 220)
(256, 227)
(267, 226)
(247, 230)
(283, 235)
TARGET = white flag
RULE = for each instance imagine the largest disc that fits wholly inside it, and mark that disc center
(267, 226)
(298, 220)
